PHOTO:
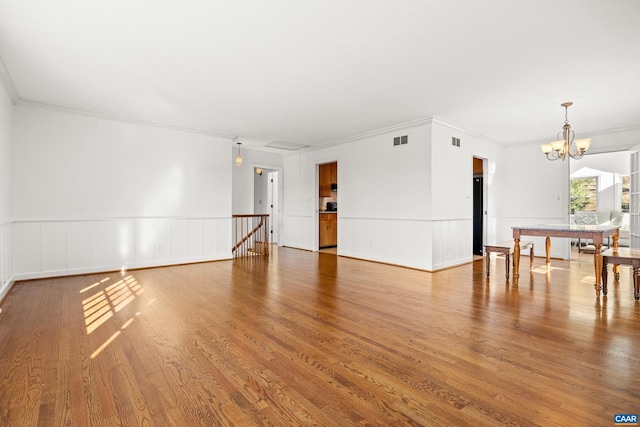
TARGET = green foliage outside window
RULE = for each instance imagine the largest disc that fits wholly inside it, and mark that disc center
(584, 194)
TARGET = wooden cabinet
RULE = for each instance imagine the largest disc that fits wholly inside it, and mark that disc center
(328, 230)
(324, 180)
(328, 174)
(333, 168)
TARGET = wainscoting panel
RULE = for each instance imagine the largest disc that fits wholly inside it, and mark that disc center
(428, 245)
(195, 239)
(395, 241)
(452, 242)
(179, 240)
(6, 270)
(299, 231)
(78, 245)
(54, 248)
(26, 247)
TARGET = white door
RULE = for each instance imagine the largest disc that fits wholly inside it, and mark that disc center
(273, 203)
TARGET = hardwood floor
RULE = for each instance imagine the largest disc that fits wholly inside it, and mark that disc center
(308, 338)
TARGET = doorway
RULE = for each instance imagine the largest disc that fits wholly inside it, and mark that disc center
(478, 206)
(328, 207)
(266, 198)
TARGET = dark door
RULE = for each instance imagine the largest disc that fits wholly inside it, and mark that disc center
(477, 215)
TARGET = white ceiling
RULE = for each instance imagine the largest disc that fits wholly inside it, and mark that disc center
(312, 72)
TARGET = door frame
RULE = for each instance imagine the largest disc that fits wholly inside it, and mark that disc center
(266, 168)
(485, 193)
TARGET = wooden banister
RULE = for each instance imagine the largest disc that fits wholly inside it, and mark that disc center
(252, 235)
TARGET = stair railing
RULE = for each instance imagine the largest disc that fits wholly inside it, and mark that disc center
(251, 235)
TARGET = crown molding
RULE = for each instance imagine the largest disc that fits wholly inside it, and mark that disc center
(633, 128)
(467, 131)
(7, 82)
(400, 126)
(42, 105)
(393, 128)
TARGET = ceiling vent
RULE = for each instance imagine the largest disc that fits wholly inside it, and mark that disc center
(283, 145)
(400, 140)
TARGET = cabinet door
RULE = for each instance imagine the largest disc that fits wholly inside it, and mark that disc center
(333, 233)
(328, 230)
(324, 175)
(334, 173)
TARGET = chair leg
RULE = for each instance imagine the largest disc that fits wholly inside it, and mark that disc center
(636, 290)
(506, 263)
(604, 276)
(487, 262)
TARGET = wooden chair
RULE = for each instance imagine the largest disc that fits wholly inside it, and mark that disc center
(624, 256)
(506, 248)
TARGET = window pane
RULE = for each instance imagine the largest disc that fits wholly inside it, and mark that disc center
(625, 194)
(584, 194)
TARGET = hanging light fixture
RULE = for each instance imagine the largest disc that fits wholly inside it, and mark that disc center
(239, 156)
(565, 143)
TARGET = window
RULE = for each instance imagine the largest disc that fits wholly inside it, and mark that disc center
(624, 207)
(584, 194)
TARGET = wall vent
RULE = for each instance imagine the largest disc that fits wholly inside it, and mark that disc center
(455, 141)
(400, 140)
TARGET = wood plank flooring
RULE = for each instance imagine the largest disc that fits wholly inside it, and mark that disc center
(307, 338)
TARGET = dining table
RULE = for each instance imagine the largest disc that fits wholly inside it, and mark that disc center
(597, 233)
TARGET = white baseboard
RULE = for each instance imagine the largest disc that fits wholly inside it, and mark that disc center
(105, 269)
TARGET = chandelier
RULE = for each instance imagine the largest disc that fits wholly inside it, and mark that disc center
(565, 145)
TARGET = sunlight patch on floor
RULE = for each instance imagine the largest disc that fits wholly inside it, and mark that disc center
(102, 305)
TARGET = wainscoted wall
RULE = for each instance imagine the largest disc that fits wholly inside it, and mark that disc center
(56, 247)
(395, 241)
(298, 231)
(6, 269)
(452, 242)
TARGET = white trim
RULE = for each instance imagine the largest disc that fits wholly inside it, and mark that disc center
(110, 269)
(7, 82)
(42, 105)
(115, 218)
(7, 289)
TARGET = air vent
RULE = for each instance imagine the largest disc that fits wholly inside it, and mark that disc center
(455, 141)
(400, 140)
(283, 145)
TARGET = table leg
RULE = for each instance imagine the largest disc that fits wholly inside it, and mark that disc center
(597, 264)
(531, 255)
(516, 258)
(616, 267)
(548, 247)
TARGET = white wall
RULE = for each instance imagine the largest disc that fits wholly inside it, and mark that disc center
(382, 197)
(536, 191)
(94, 194)
(408, 205)
(452, 192)
(6, 217)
